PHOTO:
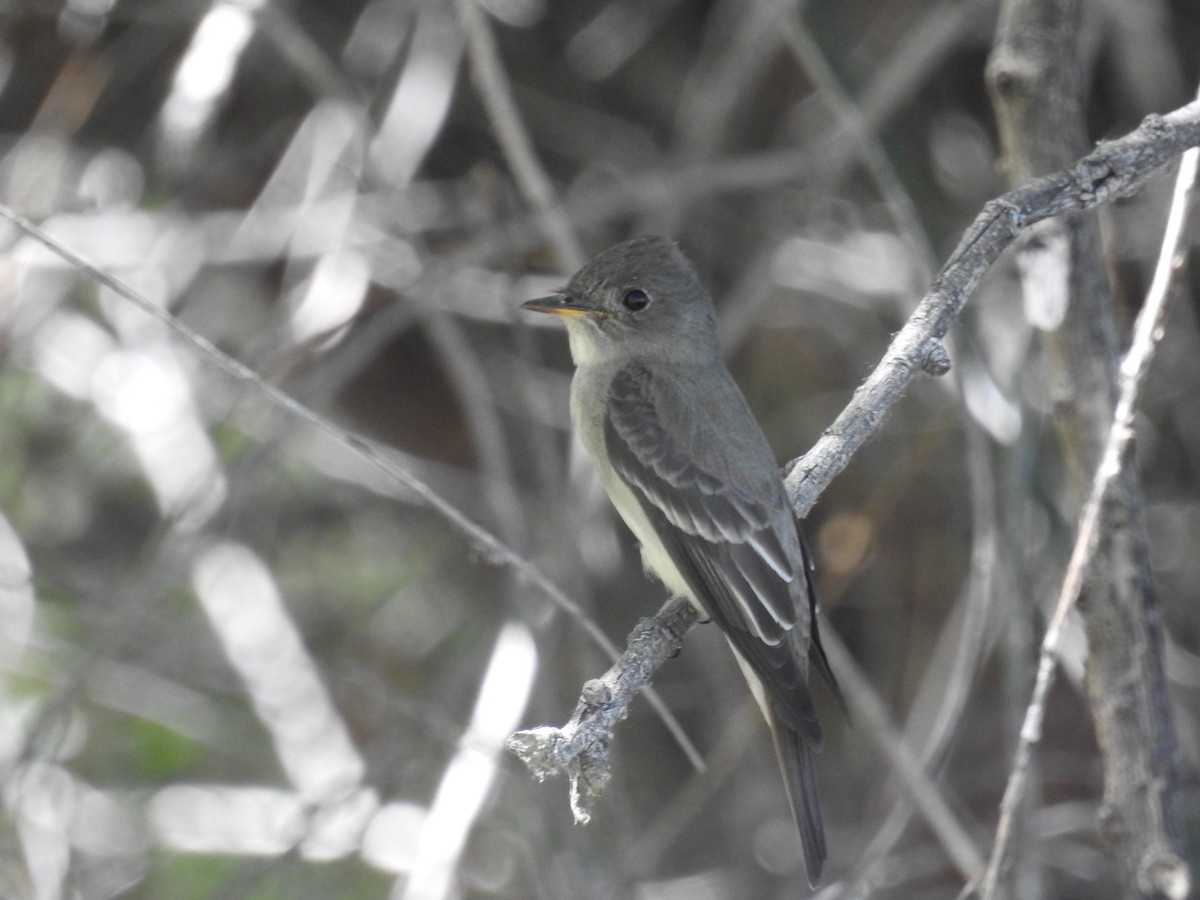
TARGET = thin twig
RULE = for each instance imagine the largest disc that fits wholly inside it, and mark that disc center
(1173, 873)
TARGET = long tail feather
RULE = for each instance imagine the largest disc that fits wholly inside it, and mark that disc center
(795, 761)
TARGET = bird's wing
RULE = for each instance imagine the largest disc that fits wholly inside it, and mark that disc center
(709, 485)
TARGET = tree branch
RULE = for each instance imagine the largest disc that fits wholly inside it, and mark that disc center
(1113, 169)
(580, 748)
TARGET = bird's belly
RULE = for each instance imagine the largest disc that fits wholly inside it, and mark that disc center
(657, 561)
(655, 558)
(588, 387)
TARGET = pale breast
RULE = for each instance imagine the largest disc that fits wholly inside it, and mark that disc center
(589, 393)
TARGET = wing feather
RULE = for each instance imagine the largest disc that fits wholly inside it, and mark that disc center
(724, 525)
(715, 501)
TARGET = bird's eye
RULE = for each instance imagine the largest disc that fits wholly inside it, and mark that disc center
(636, 300)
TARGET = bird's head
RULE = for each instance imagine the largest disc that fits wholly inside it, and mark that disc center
(638, 298)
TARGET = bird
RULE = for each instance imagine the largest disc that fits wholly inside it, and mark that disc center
(689, 470)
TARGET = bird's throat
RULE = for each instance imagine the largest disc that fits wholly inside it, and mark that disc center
(585, 349)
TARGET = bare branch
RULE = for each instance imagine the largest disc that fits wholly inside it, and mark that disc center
(1111, 170)
(580, 748)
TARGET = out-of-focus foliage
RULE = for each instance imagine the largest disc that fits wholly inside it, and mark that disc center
(237, 661)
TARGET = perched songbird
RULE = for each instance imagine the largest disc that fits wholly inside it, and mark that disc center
(688, 469)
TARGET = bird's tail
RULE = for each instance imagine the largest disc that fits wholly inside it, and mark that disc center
(795, 761)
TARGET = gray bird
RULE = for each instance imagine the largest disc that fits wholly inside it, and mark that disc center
(692, 475)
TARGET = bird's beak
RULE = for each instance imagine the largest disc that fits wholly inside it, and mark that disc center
(560, 305)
